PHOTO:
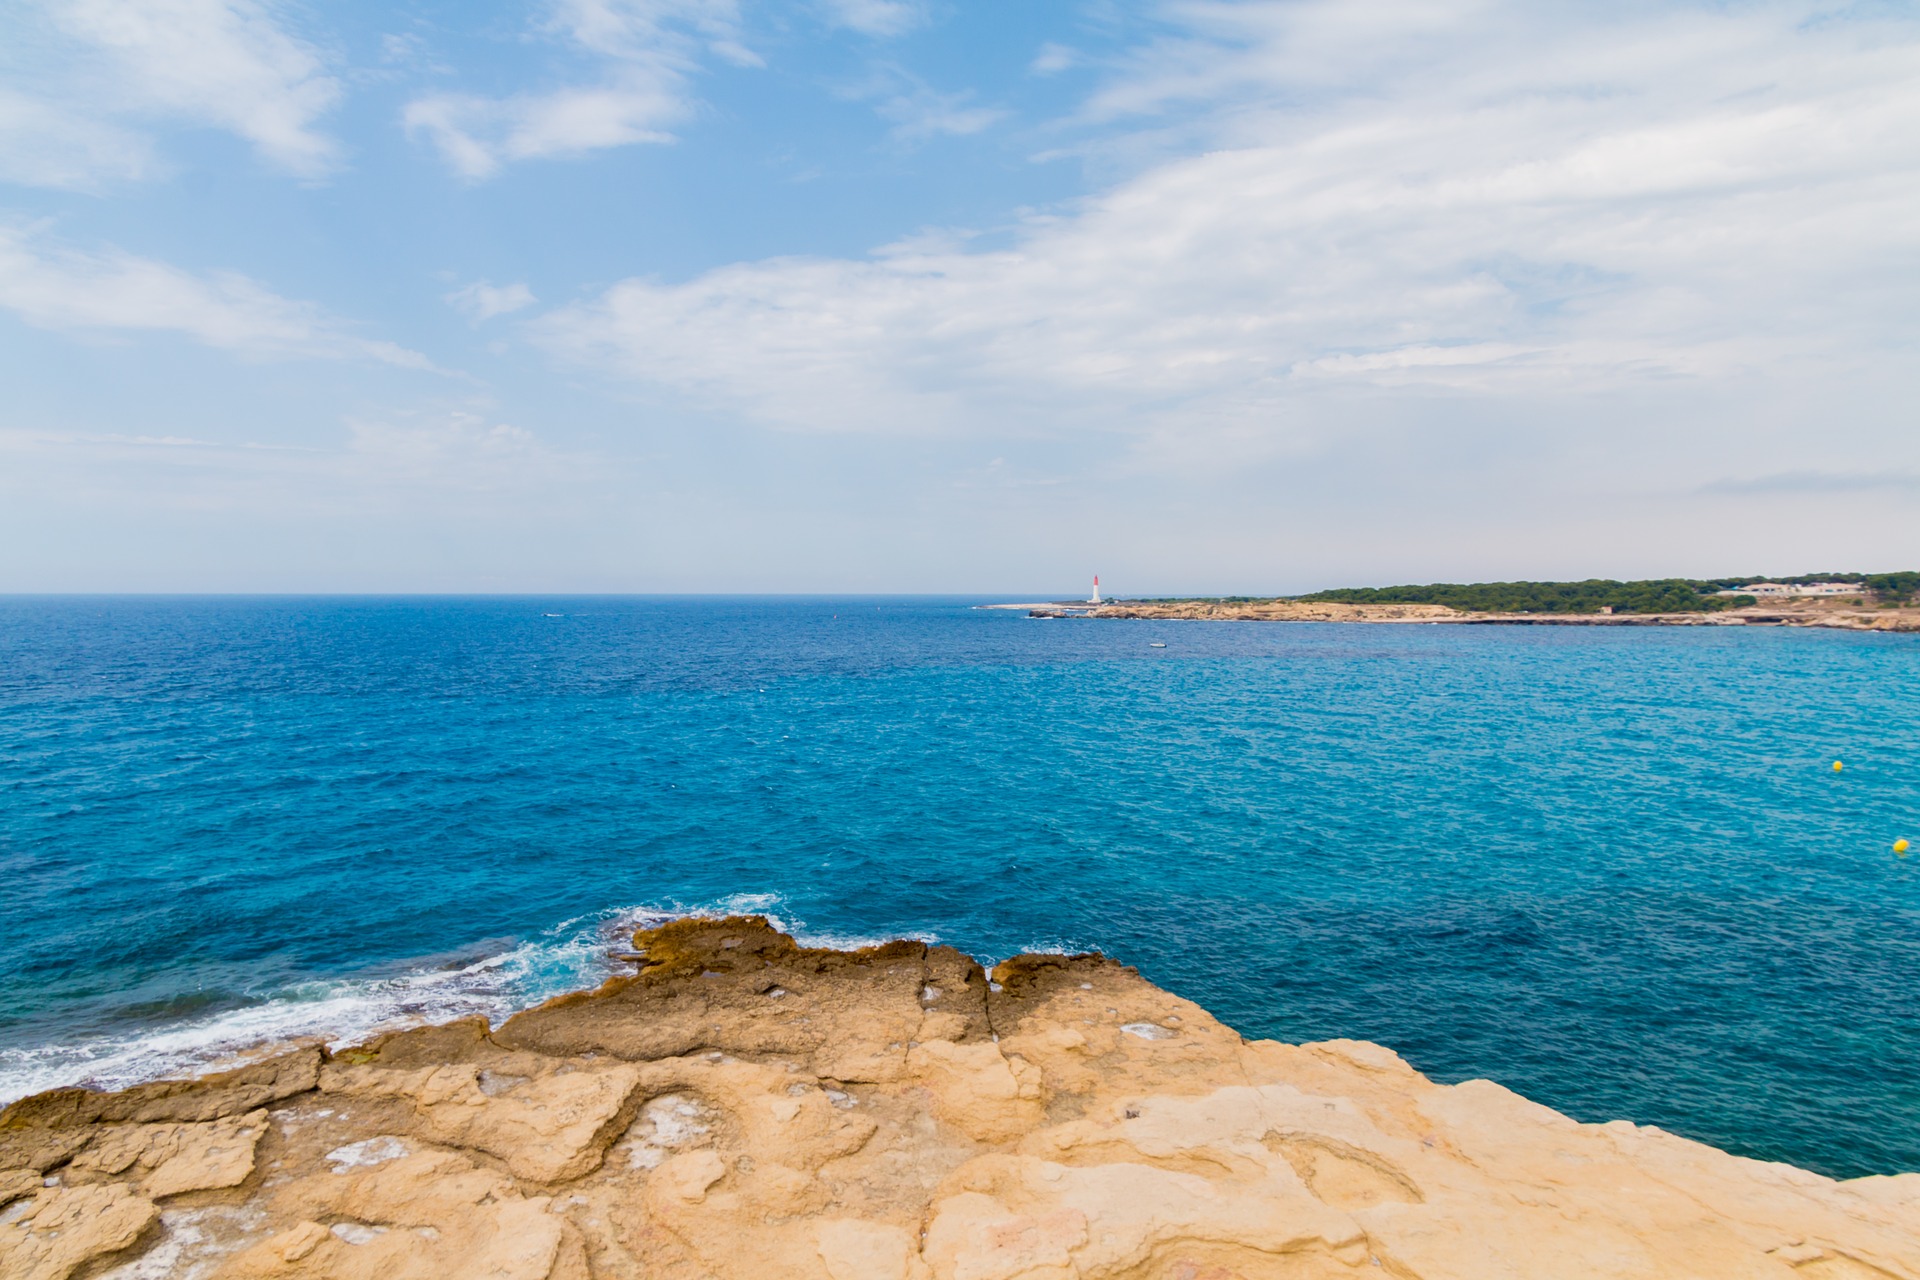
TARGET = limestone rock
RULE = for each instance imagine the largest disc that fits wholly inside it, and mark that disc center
(16, 1183)
(35, 1149)
(552, 1128)
(745, 1107)
(169, 1159)
(179, 1101)
(63, 1228)
(978, 1089)
(428, 1216)
(854, 1250)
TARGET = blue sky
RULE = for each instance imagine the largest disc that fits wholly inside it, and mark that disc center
(879, 295)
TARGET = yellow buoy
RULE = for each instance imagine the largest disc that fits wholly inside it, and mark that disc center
(1836, 766)
(1900, 847)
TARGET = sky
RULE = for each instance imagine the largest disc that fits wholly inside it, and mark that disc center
(928, 296)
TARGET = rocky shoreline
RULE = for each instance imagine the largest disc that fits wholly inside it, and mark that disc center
(744, 1107)
(1799, 613)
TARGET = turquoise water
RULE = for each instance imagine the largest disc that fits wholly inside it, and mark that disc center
(1612, 869)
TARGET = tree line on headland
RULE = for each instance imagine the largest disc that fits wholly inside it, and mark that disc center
(1659, 595)
(1594, 595)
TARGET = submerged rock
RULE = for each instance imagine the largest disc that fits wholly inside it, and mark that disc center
(745, 1107)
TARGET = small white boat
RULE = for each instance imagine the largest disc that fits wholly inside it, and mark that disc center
(1156, 644)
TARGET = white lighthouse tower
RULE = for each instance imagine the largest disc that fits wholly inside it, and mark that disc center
(1095, 597)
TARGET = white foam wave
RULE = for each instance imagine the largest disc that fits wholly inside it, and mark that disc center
(338, 1012)
(771, 904)
(1053, 947)
(572, 956)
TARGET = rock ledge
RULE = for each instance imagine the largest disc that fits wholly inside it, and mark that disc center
(746, 1108)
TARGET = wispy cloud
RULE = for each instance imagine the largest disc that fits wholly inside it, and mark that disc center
(642, 54)
(1420, 359)
(879, 18)
(92, 76)
(481, 301)
(915, 109)
(59, 287)
(452, 449)
(439, 448)
(46, 143)
(1481, 200)
(1788, 483)
(919, 113)
(442, 495)
(1053, 59)
(386, 492)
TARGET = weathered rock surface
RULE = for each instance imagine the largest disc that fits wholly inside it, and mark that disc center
(747, 1108)
(168, 1159)
(61, 1229)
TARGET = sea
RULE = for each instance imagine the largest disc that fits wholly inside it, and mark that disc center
(1614, 869)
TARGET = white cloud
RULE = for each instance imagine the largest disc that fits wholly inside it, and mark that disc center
(643, 51)
(387, 495)
(481, 301)
(879, 18)
(454, 449)
(94, 74)
(916, 110)
(478, 135)
(421, 449)
(1417, 357)
(442, 496)
(43, 144)
(649, 30)
(1470, 200)
(1053, 59)
(56, 287)
(921, 113)
(1801, 483)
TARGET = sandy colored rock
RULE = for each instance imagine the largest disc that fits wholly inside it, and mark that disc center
(745, 1107)
(854, 1250)
(16, 1183)
(34, 1149)
(62, 1229)
(1845, 613)
(169, 1159)
(1275, 611)
(549, 1126)
(210, 1097)
(985, 1093)
(430, 1216)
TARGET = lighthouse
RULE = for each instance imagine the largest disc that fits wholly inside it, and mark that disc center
(1095, 598)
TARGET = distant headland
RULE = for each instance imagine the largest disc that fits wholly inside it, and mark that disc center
(1849, 601)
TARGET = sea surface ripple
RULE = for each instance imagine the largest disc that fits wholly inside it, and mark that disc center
(1611, 869)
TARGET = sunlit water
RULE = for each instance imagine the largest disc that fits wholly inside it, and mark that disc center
(1612, 869)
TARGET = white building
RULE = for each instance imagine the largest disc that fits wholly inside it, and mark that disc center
(1782, 590)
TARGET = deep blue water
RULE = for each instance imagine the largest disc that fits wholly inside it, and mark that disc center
(1612, 869)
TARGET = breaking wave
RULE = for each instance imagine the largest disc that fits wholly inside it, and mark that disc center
(571, 956)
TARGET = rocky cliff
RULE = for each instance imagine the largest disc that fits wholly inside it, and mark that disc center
(747, 1108)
